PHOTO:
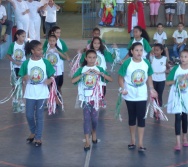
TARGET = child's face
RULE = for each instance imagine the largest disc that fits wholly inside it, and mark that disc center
(91, 59)
(184, 58)
(52, 41)
(96, 44)
(21, 37)
(157, 51)
(180, 27)
(160, 28)
(137, 52)
(96, 33)
(37, 51)
(137, 33)
(57, 33)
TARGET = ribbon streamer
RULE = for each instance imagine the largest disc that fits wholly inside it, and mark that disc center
(118, 107)
(116, 56)
(75, 64)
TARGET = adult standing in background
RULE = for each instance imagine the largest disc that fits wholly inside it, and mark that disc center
(51, 9)
(43, 16)
(21, 11)
(34, 19)
(4, 21)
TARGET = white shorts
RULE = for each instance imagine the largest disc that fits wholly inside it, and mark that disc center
(170, 8)
(181, 8)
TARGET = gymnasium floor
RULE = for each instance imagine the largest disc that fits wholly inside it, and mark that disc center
(63, 135)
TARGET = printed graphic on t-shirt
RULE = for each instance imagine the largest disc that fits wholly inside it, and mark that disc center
(52, 58)
(98, 61)
(90, 80)
(138, 78)
(36, 75)
(18, 54)
(183, 83)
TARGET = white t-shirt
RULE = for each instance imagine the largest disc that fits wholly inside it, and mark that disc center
(120, 1)
(160, 37)
(33, 9)
(159, 68)
(51, 14)
(2, 11)
(180, 36)
(100, 61)
(20, 8)
(169, 1)
(35, 88)
(44, 2)
(54, 59)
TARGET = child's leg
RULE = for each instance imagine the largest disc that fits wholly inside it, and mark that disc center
(30, 112)
(132, 119)
(87, 122)
(117, 18)
(184, 127)
(94, 119)
(104, 91)
(121, 18)
(175, 50)
(178, 129)
(39, 119)
(167, 53)
(160, 89)
(152, 6)
(140, 112)
(60, 84)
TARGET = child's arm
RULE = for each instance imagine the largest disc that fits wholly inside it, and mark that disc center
(106, 77)
(78, 75)
(169, 83)
(153, 92)
(57, 7)
(48, 81)
(13, 61)
(121, 84)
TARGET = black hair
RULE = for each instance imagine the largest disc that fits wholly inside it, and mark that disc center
(53, 36)
(184, 50)
(30, 46)
(144, 33)
(18, 32)
(88, 52)
(181, 23)
(96, 29)
(159, 24)
(133, 46)
(101, 48)
(161, 47)
(53, 29)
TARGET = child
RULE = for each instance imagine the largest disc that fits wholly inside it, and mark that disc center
(159, 64)
(141, 36)
(119, 12)
(170, 11)
(160, 37)
(63, 47)
(87, 77)
(133, 75)
(51, 9)
(181, 10)
(154, 8)
(16, 51)
(103, 56)
(179, 75)
(135, 16)
(180, 39)
(54, 54)
(36, 72)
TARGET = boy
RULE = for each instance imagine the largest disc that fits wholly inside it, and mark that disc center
(170, 11)
(180, 38)
(119, 12)
(160, 37)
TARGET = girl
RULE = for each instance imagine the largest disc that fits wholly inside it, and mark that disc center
(54, 54)
(159, 64)
(133, 75)
(88, 77)
(140, 35)
(16, 52)
(62, 45)
(179, 75)
(21, 15)
(36, 72)
(103, 56)
(34, 19)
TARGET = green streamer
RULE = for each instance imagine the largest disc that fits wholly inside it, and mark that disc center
(118, 107)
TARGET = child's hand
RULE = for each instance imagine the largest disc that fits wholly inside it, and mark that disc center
(123, 91)
(48, 81)
(26, 78)
(88, 72)
(17, 63)
(153, 93)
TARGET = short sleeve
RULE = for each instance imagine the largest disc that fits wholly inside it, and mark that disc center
(150, 70)
(165, 36)
(172, 73)
(174, 34)
(77, 73)
(45, 44)
(154, 37)
(49, 68)
(82, 58)
(130, 44)
(23, 69)
(123, 69)
(108, 56)
(105, 72)
(147, 46)
(11, 49)
(4, 11)
(64, 46)
(185, 36)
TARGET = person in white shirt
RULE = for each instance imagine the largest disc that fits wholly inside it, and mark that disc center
(21, 15)
(180, 38)
(34, 19)
(4, 21)
(51, 9)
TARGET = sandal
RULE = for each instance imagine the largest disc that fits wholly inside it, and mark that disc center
(86, 148)
(30, 140)
(38, 144)
(185, 144)
(141, 149)
(177, 148)
(131, 146)
(95, 141)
